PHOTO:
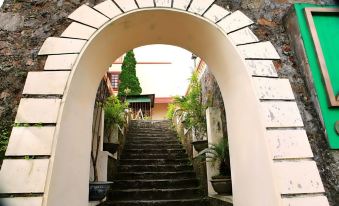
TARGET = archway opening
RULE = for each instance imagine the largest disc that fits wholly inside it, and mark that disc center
(161, 26)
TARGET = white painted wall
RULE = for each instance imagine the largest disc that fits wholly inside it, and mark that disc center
(163, 80)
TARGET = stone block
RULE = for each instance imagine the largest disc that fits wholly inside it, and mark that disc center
(38, 110)
(273, 88)
(108, 8)
(49, 82)
(216, 13)
(21, 201)
(298, 177)
(86, 15)
(60, 62)
(32, 141)
(264, 68)
(318, 200)
(78, 31)
(200, 6)
(235, 21)
(163, 3)
(55, 45)
(260, 50)
(287, 144)
(145, 3)
(23, 176)
(243, 36)
(126, 5)
(181, 4)
(281, 114)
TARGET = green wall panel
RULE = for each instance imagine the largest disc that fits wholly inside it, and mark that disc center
(327, 27)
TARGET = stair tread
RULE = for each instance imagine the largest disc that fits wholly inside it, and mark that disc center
(154, 189)
(165, 200)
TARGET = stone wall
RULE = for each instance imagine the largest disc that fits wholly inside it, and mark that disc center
(25, 24)
(269, 17)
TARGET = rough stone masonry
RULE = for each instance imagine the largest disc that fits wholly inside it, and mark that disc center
(25, 24)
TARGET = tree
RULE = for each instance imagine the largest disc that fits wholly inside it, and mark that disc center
(128, 78)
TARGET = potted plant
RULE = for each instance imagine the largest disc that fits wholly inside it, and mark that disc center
(195, 113)
(114, 115)
(114, 118)
(218, 154)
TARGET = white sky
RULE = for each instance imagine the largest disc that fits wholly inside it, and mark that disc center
(1, 1)
(163, 80)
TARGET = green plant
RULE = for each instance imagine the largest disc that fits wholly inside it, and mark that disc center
(218, 153)
(4, 139)
(129, 82)
(191, 105)
(114, 113)
(170, 111)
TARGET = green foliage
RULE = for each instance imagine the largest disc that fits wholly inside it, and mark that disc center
(114, 113)
(170, 111)
(4, 138)
(192, 106)
(129, 82)
(218, 153)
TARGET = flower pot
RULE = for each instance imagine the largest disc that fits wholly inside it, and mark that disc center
(200, 145)
(98, 190)
(111, 147)
(222, 186)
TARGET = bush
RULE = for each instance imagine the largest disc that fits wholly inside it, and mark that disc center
(114, 113)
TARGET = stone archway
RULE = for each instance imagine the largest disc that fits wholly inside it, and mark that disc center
(270, 154)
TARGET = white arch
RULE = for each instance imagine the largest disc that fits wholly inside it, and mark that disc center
(261, 111)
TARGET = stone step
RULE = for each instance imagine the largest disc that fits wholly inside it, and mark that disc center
(154, 194)
(153, 156)
(152, 141)
(156, 184)
(153, 161)
(154, 151)
(155, 168)
(173, 202)
(156, 175)
(153, 146)
(151, 134)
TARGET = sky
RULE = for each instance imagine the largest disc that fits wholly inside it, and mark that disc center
(164, 80)
(1, 1)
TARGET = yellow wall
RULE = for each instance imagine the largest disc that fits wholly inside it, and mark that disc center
(159, 111)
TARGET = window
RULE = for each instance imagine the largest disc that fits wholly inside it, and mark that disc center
(115, 80)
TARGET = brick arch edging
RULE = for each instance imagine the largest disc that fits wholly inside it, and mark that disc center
(296, 178)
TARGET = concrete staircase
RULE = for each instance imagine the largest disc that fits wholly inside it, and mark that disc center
(154, 170)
